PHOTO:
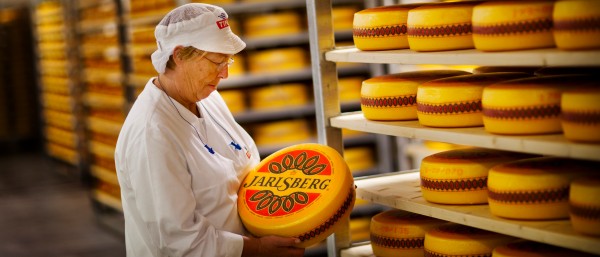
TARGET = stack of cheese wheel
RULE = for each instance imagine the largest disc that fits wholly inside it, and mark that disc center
(576, 24)
(238, 68)
(277, 60)
(460, 240)
(513, 25)
(342, 17)
(393, 96)
(526, 106)
(301, 191)
(489, 69)
(359, 158)
(282, 132)
(580, 114)
(349, 88)
(439, 27)
(525, 248)
(273, 24)
(456, 101)
(584, 205)
(534, 188)
(277, 96)
(381, 28)
(460, 176)
(235, 100)
(400, 233)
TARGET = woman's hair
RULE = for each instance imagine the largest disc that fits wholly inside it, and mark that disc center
(186, 53)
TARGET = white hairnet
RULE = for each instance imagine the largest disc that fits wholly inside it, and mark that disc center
(202, 26)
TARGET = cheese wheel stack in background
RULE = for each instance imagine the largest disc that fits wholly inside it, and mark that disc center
(400, 233)
(460, 176)
(460, 240)
(393, 96)
(456, 101)
(513, 25)
(580, 114)
(534, 188)
(276, 96)
(235, 100)
(274, 60)
(584, 205)
(282, 132)
(273, 24)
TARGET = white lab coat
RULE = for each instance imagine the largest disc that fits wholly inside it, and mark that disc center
(178, 199)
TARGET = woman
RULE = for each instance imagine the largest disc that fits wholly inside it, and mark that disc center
(180, 156)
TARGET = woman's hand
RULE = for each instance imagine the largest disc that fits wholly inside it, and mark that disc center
(272, 246)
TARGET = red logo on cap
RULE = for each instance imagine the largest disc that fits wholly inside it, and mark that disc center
(222, 24)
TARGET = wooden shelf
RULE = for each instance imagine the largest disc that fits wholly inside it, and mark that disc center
(401, 190)
(358, 251)
(553, 144)
(536, 57)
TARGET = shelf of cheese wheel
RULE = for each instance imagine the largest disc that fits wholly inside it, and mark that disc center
(301, 191)
(401, 190)
(278, 60)
(273, 24)
(279, 95)
(235, 100)
(141, 8)
(282, 133)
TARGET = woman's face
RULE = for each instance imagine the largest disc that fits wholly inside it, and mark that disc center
(200, 75)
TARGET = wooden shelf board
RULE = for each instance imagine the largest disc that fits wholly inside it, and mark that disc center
(358, 251)
(536, 57)
(553, 144)
(401, 190)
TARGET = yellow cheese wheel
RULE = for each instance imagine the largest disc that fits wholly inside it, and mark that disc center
(282, 132)
(349, 88)
(580, 114)
(273, 24)
(238, 68)
(456, 101)
(576, 24)
(400, 233)
(535, 188)
(584, 205)
(460, 176)
(277, 96)
(235, 100)
(393, 96)
(488, 69)
(60, 119)
(342, 17)
(63, 153)
(459, 240)
(359, 158)
(66, 138)
(439, 27)
(526, 106)
(525, 248)
(513, 25)
(359, 229)
(300, 191)
(381, 28)
(277, 60)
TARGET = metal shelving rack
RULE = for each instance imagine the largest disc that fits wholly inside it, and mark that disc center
(401, 190)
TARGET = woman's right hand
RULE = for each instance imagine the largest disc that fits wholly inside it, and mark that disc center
(272, 246)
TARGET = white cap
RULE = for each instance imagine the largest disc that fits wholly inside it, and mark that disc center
(202, 26)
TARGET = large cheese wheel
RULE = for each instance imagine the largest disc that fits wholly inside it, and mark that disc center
(535, 188)
(512, 25)
(342, 17)
(393, 96)
(460, 176)
(456, 101)
(400, 233)
(300, 191)
(576, 24)
(349, 88)
(381, 28)
(525, 248)
(584, 205)
(459, 240)
(359, 158)
(526, 106)
(438, 27)
(580, 114)
(274, 24)
(235, 100)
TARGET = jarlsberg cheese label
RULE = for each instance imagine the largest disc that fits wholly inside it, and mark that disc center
(300, 191)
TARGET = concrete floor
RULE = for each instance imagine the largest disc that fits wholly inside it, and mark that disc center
(47, 212)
